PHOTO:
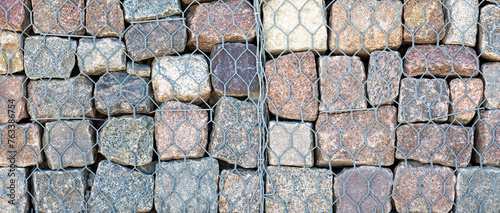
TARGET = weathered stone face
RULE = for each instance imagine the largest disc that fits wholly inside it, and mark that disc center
(24, 148)
(96, 57)
(290, 144)
(55, 58)
(465, 95)
(17, 13)
(142, 70)
(462, 22)
(150, 9)
(487, 133)
(12, 97)
(59, 16)
(384, 73)
(240, 191)
(476, 187)
(104, 18)
(14, 196)
(424, 21)
(491, 85)
(489, 32)
(12, 57)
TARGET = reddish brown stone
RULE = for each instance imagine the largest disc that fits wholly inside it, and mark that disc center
(104, 18)
(418, 185)
(487, 151)
(18, 14)
(12, 97)
(441, 61)
(465, 95)
(361, 137)
(214, 22)
(289, 75)
(420, 29)
(181, 130)
(22, 142)
(59, 16)
(445, 144)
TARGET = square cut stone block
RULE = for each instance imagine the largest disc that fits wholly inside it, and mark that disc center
(21, 145)
(239, 191)
(491, 77)
(59, 16)
(104, 18)
(13, 98)
(424, 21)
(17, 13)
(489, 32)
(462, 22)
(291, 144)
(476, 189)
(487, 151)
(15, 194)
(98, 56)
(12, 57)
(384, 74)
(49, 57)
(466, 95)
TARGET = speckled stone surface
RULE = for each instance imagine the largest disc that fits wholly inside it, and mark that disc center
(418, 185)
(293, 91)
(377, 23)
(12, 93)
(424, 21)
(342, 80)
(181, 130)
(96, 57)
(462, 26)
(59, 191)
(441, 61)
(127, 140)
(353, 184)
(14, 196)
(422, 100)
(11, 45)
(143, 70)
(235, 134)
(476, 189)
(24, 149)
(290, 144)
(60, 98)
(489, 32)
(55, 58)
(491, 76)
(104, 18)
(59, 16)
(445, 144)
(240, 191)
(118, 188)
(365, 139)
(69, 143)
(487, 151)
(384, 74)
(284, 31)
(194, 188)
(465, 95)
(211, 23)
(290, 188)
(142, 10)
(120, 93)
(17, 14)
(156, 39)
(181, 78)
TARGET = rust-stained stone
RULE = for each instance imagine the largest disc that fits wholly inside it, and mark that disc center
(491, 76)
(59, 16)
(181, 130)
(418, 185)
(104, 18)
(24, 147)
(465, 95)
(293, 74)
(384, 74)
(424, 21)
(11, 57)
(377, 23)
(342, 141)
(342, 80)
(489, 32)
(441, 61)
(214, 22)
(487, 152)
(18, 14)
(239, 191)
(445, 144)
(12, 96)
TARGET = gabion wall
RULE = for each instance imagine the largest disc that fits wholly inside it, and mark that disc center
(250, 106)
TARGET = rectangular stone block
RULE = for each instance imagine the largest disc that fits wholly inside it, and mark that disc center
(489, 32)
(384, 74)
(465, 96)
(461, 28)
(59, 17)
(21, 145)
(290, 144)
(424, 21)
(49, 57)
(151, 9)
(104, 18)
(11, 44)
(239, 191)
(14, 196)
(12, 98)
(476, 189)
(487, 152)
(98, 56)
(491, 77)
(17, 13)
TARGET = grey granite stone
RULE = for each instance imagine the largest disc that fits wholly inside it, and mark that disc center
(290, 144)
(96, 57)
(14, 196)
(239, 191)
(489, 32)
(149, 168)
(49, 57)
(491, 74)
(384, 73)
(462, 22)
(477, 189)
(143, 70)
(12, 55)
(141, 10)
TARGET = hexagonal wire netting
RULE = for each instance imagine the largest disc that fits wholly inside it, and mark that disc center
(250, 106)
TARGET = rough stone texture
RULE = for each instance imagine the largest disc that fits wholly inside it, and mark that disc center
(422, 100)
(18, 15)
(12, 57)
(149, 168)
(491, 77)
(477, 189)
(291, 189)
(150, 9)
(60, 98)
(181, 78)
(24, 148)
(119, 93)
(424, 21)
(489, 32)
(118, 188)
(342, 80)
(69, 143)
(293, 91)
(59, 191)
(194, 188)
(384, 73)
(156, 39)
(55, 58)
(104, 18)
(487, 152)
(96, 57)
(240, 191)
(298, 25)
(441, 61)
(127, 140)
(465, 95)
(14, 196)
(445, 144)
(376, 23)
(418, 185)
(59, 16)
(181, 130)
(366, 139)
(12, 92)
(214, 22)
(462, 22)
(143, 70)
(291, 144)
(353, 184)
(235, 133)
(234, 70)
